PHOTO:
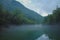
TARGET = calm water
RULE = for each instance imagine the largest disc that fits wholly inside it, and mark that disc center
(27, 32)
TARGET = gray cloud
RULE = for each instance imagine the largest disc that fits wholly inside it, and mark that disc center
(42, 7)
(47, 5)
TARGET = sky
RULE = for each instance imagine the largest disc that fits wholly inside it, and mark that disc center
(42, 7)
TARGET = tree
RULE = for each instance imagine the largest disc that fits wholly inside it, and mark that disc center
(53, 18)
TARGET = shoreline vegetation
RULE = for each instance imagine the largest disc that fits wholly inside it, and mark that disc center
(53, 18)
(15, 18)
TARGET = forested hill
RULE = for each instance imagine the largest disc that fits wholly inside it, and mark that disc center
(53, 18)
(13, 12)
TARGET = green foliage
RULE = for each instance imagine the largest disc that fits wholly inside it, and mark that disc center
(53, 18)
(14, 17)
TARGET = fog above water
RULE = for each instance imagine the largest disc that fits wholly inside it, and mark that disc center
(31, 32)
(25, 27)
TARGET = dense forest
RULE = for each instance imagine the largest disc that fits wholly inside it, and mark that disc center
(16, 17)
(15, 13)
(53, 18)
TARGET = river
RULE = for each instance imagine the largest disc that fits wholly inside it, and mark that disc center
(27, 32)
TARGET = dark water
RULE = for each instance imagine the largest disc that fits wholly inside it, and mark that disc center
(30, 32)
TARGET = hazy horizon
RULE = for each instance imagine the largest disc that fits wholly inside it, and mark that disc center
(41, 6)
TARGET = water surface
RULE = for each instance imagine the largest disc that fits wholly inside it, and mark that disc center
(28, 32)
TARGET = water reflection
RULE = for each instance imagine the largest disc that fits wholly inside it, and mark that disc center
(43, 37)
(32, 32)
(23, 32)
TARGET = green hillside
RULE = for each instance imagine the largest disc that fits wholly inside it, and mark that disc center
(15, 17)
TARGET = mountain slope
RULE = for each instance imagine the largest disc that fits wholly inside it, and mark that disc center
(11, 5)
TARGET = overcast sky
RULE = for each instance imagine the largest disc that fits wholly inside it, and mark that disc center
(42, 7)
